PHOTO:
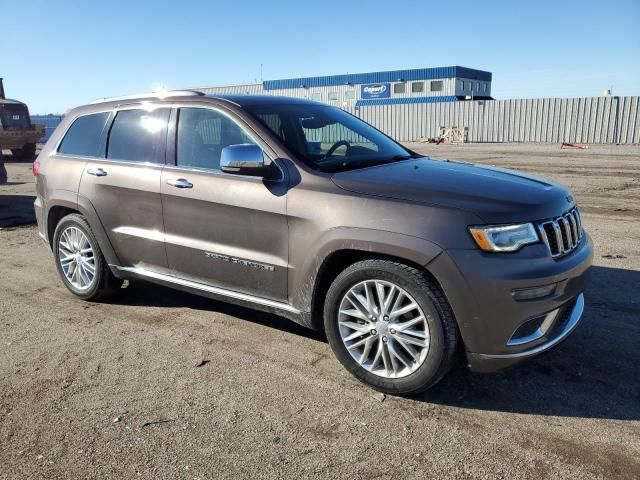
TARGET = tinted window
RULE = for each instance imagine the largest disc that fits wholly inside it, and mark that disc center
(417, 87)
(436, 86)
(328, 138)
(399, 88)
(202, 134)
(84, 137)
(139, 135)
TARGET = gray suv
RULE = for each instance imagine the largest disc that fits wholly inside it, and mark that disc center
(299, 208)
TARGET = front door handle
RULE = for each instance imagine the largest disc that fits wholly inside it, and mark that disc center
(98, 172)
(180, 183)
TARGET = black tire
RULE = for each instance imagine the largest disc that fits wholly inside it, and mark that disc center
(3, 170)
(27, 152)
(431, 300)
(104, 283)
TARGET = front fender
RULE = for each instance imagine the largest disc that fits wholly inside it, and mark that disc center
(302, 280)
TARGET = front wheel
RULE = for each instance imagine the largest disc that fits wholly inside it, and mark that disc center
(390, 326)
(79, 260)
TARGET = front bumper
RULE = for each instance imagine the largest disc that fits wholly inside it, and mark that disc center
(487, 362)
(480, 288)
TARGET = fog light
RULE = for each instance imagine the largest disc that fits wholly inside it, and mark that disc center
(533, 293)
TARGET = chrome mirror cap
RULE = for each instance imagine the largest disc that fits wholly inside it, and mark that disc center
(246, 158)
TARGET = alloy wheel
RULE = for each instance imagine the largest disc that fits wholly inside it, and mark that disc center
(77, 258)
(383, 328)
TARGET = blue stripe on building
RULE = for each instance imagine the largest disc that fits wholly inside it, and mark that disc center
(379, 77)
(405, 100)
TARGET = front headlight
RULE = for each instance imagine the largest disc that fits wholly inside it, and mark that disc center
(504, 238)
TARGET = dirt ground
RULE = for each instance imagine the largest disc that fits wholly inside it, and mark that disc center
(112, 390)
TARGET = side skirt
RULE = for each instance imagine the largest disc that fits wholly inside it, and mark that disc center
(216, 293)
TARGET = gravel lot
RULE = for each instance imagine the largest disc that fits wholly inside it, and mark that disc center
(112, 390)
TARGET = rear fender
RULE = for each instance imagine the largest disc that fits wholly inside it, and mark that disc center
(84, 206)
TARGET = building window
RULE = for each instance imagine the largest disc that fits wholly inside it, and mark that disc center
(350, 95)
(316, 97)
(333, 96)
(486, 85)
(436, 86)
(477, 86)
(399, 87)
(417, 87)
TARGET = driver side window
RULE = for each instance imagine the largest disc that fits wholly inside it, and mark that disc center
(202, 134)
(335, 138)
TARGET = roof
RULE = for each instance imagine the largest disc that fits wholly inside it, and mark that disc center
(10, 101)
(379, 77)
(243, 100)
(239, 100)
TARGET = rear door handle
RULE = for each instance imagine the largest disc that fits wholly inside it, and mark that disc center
(98, 172)
(180, 183)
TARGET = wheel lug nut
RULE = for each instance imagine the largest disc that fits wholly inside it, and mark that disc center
(374, 331)
(384, 339)
(392, 331)
(386, 318)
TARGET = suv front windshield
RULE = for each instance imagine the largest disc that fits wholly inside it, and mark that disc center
(328, 138)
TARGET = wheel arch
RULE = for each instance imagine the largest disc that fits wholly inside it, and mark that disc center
(61, 208)
(340, 252)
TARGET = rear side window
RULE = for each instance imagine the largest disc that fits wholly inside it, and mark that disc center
(202, 134)
(139, 135)
(84, 137)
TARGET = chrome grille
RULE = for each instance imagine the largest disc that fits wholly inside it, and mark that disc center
(562, 235)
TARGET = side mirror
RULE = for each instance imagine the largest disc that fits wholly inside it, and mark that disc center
(244, 159)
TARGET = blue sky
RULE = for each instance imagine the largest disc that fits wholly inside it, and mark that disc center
(58, 54)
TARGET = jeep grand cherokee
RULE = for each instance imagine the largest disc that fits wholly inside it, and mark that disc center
(299, 208)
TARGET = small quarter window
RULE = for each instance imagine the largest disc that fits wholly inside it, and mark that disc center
(84, 137)
(436, 86)
(139, 135)
(417, 87)
(399, 87)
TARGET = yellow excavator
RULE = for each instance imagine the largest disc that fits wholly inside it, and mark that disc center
(17, 133)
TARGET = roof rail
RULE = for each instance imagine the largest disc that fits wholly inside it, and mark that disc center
(161, 95)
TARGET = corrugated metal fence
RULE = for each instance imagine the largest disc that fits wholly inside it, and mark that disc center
(554, 120)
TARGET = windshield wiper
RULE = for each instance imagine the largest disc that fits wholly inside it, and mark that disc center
(407, 156)
(367, 162)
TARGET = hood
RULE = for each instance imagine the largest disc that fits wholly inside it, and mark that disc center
(495, 195)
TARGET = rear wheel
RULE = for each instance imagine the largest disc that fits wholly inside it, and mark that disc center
(390, 326)
(79, 260)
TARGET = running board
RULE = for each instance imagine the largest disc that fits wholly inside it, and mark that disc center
(207, 288)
